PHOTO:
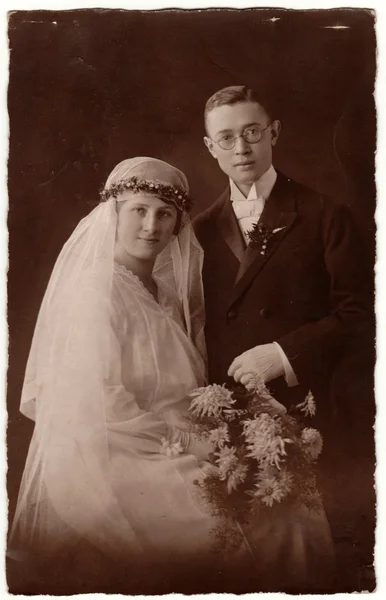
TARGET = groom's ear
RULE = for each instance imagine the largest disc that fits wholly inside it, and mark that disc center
(209, 144)
(275, 131)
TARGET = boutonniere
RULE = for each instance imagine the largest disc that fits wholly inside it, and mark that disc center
(260, 235)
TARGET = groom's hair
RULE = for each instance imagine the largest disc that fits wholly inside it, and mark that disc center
(233, 95)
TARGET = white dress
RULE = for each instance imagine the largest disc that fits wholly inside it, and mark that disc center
(159, 368)
(132, 502)
(158, 493)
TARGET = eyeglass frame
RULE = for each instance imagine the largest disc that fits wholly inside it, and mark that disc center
(261, 131)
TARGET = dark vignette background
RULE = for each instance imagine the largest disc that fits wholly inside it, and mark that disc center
(88, 88)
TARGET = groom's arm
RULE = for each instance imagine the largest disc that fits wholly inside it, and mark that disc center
(311, 346)
(312, 350)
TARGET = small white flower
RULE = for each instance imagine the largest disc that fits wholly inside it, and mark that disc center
(171, 449)
(312, 442)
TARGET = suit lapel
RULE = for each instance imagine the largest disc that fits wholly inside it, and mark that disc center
(228, 226)
(279, 213)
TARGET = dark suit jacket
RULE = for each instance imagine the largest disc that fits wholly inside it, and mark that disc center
(307, 292)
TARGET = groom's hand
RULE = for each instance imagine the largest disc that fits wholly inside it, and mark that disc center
(261, 362)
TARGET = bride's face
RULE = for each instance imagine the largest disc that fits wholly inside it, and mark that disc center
(145, 224)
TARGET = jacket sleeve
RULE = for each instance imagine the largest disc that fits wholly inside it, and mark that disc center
(313, 346)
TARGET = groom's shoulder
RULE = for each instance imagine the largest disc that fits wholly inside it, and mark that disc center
(308, 201)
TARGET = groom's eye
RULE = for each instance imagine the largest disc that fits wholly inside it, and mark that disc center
(225, 138)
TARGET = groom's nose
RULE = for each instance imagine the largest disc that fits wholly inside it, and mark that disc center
(241, 146)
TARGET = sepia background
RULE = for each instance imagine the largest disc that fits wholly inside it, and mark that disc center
(90, 88)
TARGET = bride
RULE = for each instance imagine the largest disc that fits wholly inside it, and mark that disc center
(112, 466)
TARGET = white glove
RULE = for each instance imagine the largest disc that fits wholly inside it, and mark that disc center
(277, 407)
(261, 362)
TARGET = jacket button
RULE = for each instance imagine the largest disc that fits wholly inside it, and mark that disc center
(264, 313)
(232, 314)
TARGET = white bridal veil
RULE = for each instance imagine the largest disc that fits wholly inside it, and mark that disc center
(65, 485)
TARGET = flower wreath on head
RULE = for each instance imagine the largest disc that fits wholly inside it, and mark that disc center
(166, 192)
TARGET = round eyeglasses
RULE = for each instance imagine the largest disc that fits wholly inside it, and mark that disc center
(252, 135)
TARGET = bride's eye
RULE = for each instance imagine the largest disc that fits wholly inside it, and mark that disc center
(165, 214)
(140, 210)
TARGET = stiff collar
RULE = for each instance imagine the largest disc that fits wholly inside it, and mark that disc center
(262, 187)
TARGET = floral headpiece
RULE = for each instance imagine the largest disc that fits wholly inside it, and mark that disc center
(166, 192)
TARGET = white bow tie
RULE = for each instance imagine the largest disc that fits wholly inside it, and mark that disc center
(248, 208)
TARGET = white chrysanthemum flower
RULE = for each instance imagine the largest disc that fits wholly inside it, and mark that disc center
(286, 480)
(308, 406)
(236, 477)
(312, 442)
(229, 468)
(171, 449)
(263, 440)
(211, 400)
(219, 436)
(269, 451)
(262, 424)
(270, 489)
(227, 461)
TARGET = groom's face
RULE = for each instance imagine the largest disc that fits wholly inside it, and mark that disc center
(245, 162)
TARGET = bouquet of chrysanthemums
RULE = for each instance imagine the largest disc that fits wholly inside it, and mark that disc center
(263, 454)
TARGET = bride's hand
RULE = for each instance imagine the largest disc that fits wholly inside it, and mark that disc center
(200, 448)
(177, 418)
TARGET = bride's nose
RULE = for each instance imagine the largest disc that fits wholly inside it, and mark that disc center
(150, 222)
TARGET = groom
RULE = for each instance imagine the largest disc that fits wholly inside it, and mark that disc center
(284, 306)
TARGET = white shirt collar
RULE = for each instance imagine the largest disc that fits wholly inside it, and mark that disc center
(260, 189)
